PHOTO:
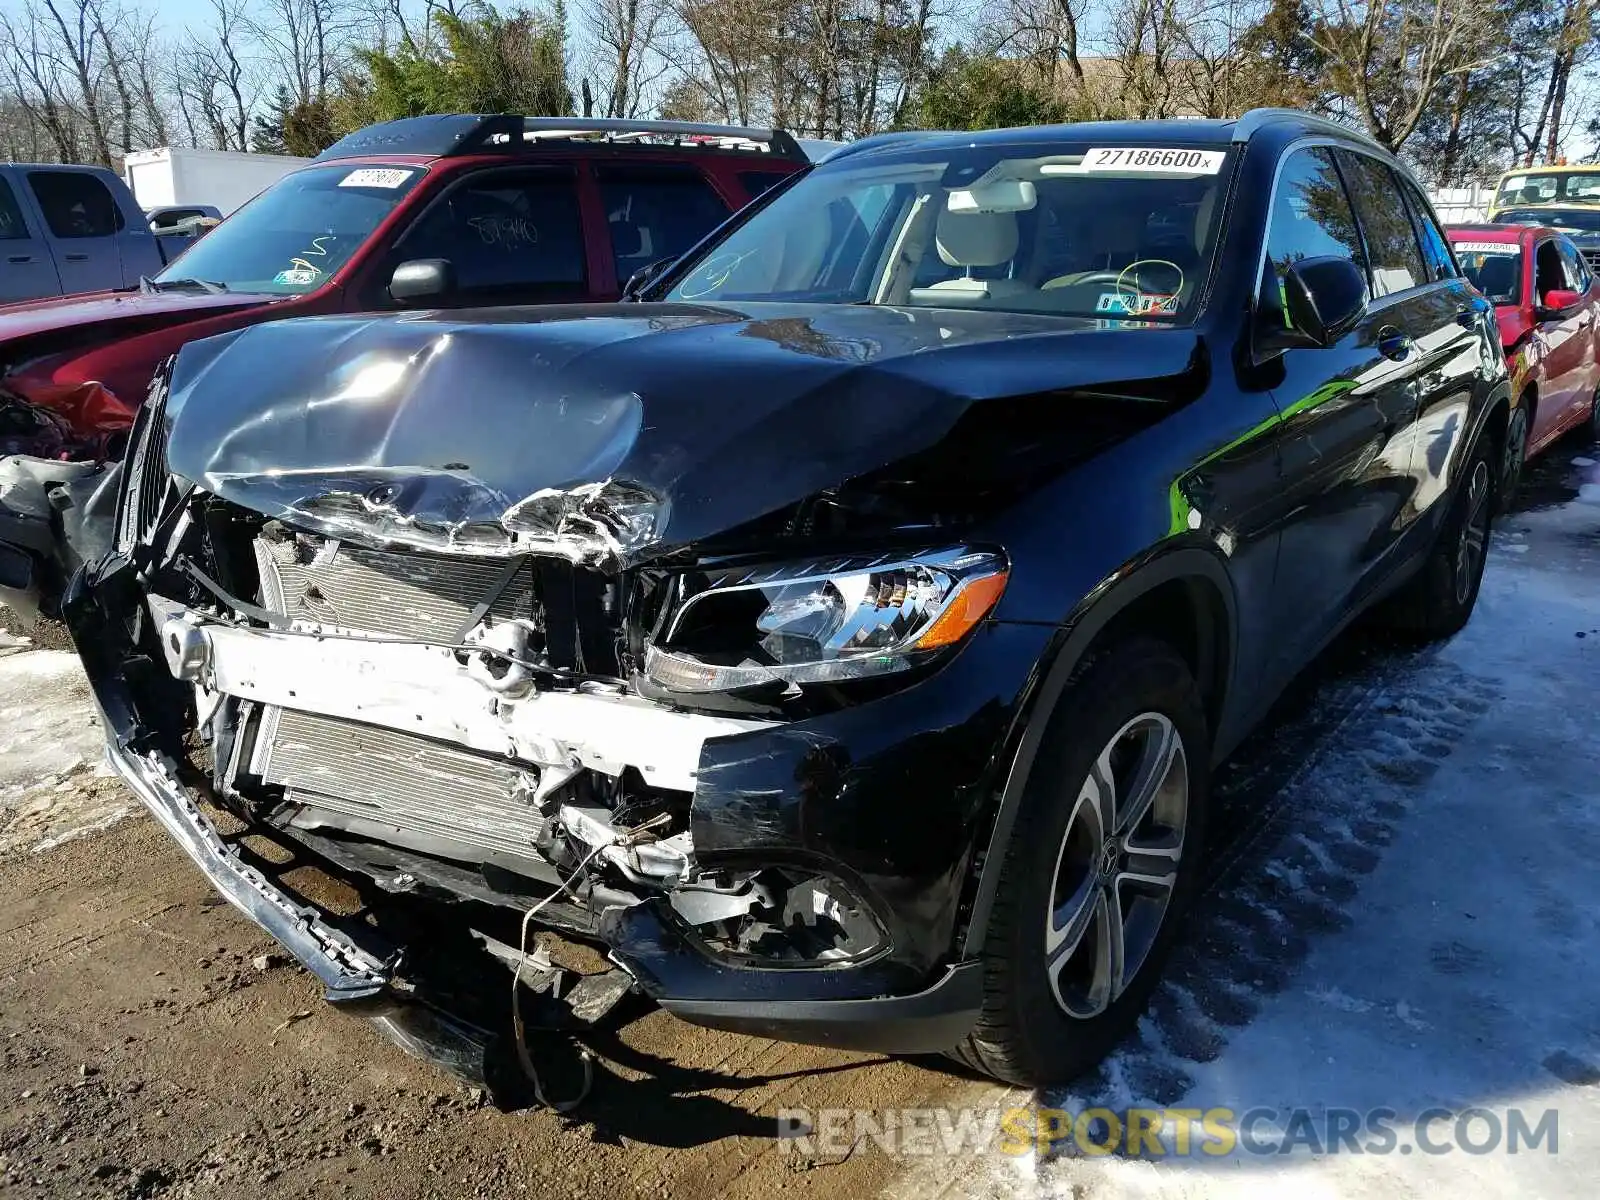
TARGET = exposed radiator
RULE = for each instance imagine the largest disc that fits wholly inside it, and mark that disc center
(425, 597)
(427, 791)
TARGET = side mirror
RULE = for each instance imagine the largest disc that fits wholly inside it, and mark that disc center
(641, 279)
(1324, 297)
(1558, 300)
(423, 280)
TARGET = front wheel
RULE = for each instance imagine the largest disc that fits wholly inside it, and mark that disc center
(1594, 416)
(1099, 868)
(1439, 600)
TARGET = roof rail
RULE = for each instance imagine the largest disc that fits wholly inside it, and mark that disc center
(1246, 126)
(467, 133)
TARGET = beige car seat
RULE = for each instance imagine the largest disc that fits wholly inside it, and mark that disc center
(969, 240)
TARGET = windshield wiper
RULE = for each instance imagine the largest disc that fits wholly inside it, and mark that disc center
(149, 286)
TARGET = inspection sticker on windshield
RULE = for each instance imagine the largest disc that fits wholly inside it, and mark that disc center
(384, 177)
(1123, 302)
(1152, 160)
(1487, 248)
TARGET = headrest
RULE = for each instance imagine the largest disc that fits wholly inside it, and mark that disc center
(1497, 275)
(976, 239)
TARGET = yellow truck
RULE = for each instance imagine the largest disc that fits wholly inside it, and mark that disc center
(1560, 186)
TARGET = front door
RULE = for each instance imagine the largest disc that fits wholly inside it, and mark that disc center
(28, 271)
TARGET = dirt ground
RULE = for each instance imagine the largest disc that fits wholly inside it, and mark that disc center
(143, 1053)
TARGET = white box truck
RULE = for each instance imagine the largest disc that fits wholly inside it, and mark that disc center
(170, 176)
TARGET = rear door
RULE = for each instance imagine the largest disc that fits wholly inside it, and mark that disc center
(28, 272)
(1420, 299)
(654, 211)
(1348, 413)
(82, 221)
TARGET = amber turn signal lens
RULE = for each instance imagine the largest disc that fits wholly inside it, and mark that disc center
(972, 602)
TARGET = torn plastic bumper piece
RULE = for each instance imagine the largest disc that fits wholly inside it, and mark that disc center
(858, 1008)
(353, 976)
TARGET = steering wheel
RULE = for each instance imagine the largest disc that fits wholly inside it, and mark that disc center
(1084, 278)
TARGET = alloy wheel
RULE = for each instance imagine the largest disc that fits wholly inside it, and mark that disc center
(1474, 532)
(1117, 866)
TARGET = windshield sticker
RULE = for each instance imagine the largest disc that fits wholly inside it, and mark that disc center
(297, 276)
(712, 274)
(1487, 248)
(1128, 302)
(380, 177)
(1146, 160)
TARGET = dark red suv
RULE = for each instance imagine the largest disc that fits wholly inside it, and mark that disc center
(479, 210)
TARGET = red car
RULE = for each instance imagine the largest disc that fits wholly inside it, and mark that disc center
(1547, 301)
(496, 210)
(426, 212)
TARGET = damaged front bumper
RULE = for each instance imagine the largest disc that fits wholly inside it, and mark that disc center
(760, 793)
(355, 976)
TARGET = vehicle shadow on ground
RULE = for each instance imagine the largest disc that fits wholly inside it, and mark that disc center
(638, 1096)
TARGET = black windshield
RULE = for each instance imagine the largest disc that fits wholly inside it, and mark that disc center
(1072, 229)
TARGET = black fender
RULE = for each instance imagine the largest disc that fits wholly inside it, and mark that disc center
(1075, 637)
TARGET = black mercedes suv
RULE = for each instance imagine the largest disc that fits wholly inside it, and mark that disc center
(844, 633)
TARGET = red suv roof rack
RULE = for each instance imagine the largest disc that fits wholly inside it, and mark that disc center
(467, 133)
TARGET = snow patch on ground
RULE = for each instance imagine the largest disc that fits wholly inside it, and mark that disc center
(53, 784)
(1460, 972)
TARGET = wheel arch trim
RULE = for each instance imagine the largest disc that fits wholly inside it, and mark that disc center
(1076, 636)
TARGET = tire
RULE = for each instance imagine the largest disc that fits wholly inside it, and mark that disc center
(1594, 417)
(1134, 708)
(1439, 599)
(1516, 456)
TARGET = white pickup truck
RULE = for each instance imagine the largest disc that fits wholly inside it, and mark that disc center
(70, 229)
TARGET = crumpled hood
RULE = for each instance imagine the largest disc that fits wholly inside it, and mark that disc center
(606, 433)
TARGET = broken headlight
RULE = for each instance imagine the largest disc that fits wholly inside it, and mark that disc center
(824, 621)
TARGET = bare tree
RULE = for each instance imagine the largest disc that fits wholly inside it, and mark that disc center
(1391, 56)
(217, 82)
(628, 62)
(307, 41)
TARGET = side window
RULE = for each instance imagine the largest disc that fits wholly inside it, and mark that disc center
(1578, 277)
(1549, 271)
(1435, 250)
(656, 212)
(507, 233)
(1311, 218)
(75, 204)
(756, 182)
(12, 226)
(1395, 256)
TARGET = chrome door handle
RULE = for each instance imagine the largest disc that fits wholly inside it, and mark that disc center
(1393, 344)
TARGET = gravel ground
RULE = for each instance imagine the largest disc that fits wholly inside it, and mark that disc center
(153, 1044)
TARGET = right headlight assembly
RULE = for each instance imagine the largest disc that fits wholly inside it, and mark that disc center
(824, 620)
